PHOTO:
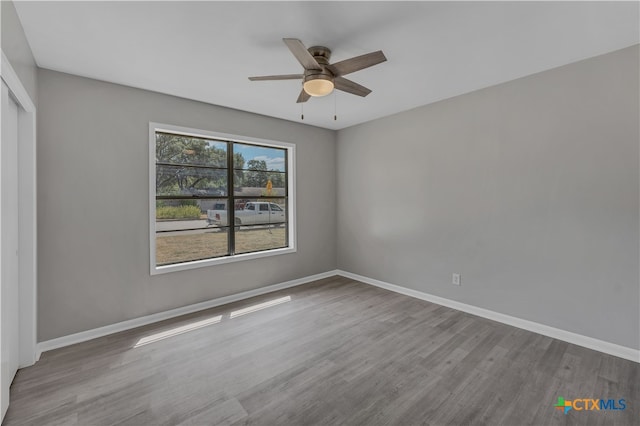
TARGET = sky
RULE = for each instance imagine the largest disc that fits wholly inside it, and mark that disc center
(272, 156)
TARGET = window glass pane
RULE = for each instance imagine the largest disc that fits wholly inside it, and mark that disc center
(259, 157)
(215, 212)
(181, 180)
(179, 149)
(185, 246)
(260, 184)
(258, 211)
(176, 215)
(258, 238)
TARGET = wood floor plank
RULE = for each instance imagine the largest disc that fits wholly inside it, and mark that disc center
(225, 413)
(337, 352)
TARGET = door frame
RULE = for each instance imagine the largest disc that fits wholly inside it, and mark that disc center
(27, 213)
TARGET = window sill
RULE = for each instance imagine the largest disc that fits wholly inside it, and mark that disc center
(157, 270)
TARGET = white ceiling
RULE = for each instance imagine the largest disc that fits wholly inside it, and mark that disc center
(206, 50)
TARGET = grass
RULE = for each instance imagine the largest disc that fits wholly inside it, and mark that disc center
(178, 212)
(184, 248)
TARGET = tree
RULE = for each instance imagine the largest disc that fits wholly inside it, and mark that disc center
(172, 151)
(277, 178)
(176, 149)
(238, 174)
(256, 176)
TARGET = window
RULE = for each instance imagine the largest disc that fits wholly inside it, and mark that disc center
(217, 198)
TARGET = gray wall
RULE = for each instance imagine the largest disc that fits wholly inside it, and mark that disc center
(16, 48)
(528, 189)
(93, 242)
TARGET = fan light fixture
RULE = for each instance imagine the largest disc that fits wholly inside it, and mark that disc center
(318, 87)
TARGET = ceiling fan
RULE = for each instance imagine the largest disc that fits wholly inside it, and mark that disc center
(320, 77)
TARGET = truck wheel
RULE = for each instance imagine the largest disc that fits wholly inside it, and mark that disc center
(238, 221)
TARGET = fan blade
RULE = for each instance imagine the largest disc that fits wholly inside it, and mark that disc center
(349, 86)
(356, 64)
(302, 54)
(277, 77)
(303, 97)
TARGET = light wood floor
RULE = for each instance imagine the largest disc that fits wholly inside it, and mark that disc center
(339, 352)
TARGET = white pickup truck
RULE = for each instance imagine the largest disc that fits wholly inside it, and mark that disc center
(253, 213)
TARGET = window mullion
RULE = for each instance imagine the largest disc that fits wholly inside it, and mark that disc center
(286, 195)
(231, 209)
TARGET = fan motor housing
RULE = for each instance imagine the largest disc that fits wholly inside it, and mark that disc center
(322, 55)
(323, 74)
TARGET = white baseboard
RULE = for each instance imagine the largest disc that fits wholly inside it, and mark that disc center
(83, 336)
(567, 336)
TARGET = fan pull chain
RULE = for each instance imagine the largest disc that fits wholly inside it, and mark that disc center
(301, 110)
(335, 107)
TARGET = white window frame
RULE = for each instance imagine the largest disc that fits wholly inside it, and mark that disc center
(291, 198)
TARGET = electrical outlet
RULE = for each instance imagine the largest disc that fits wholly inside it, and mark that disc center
(455, 279)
